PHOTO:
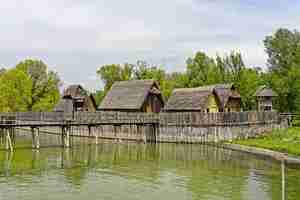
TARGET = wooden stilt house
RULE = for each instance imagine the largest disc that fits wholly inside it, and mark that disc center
(133, 96)
(265, 97)
(201, 99)
(76, 98)
(211, 98)
(229, 97)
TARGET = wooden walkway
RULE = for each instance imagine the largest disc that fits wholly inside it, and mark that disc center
(10, 122)
(36, 124)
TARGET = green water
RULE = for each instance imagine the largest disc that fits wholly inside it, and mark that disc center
(129, 171)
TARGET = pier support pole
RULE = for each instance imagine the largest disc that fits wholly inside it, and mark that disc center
(1, 136)
(156, 132)
(96, 134)
(282, 180)
(66, 137)
(8, 143)
(35, 138)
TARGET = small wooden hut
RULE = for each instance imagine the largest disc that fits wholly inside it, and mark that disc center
(265, 98)
(229, 97)
(75, 98)
(211, 98)
(201, 99)
(133, 96)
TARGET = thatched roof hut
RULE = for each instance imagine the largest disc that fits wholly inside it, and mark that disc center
(76, 98)
(264, 91)
(229, 97)
(75, 91)
(264, 98)
(205, 98)
(191, 99)
(134, 96)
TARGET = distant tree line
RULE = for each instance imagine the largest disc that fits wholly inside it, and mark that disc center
(31, 86)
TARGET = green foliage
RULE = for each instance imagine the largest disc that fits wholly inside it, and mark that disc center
(201, 70)
(248, 81)
(287, 141)
(115, 72)
(99, 95)
(15, 87)
(29, 87)
(283, 49)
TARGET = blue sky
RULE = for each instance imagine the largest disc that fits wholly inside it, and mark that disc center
(75, 37)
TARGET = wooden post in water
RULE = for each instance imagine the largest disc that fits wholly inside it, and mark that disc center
(119, 133)
(283, 179)
(8, 143)
(35, 132)
(66, 136)
(90, 131)
(96, 132)
(156, 133)
(1, 136)
(37, 138)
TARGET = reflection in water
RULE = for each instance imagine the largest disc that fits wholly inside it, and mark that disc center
(143, 171)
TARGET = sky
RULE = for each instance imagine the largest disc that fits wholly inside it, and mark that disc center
(76, 37)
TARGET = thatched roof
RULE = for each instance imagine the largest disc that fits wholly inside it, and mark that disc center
(74, 91)
(93, 99)
(129, 95)
(197, 98)
(225, 92)
(189, 99)
(64, 105)
(264, 91)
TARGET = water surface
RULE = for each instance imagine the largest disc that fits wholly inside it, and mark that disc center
(129, 171)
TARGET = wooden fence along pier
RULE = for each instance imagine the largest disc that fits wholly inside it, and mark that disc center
(191, 127)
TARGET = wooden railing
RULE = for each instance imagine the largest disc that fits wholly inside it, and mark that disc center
(168, 119)
(215, 119)
(293, 118)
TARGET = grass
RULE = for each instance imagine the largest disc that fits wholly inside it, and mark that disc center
(285, 141)
(296, 122)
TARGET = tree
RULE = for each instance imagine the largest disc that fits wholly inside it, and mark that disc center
(114, 72)
(28, 87)
(201, 70)
(15, 87)
(234, 66)
(44, 93)
(248, 83)
(283, 49)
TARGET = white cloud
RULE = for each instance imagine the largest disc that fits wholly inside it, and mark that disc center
(75, 37)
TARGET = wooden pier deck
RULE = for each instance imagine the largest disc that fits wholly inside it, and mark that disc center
(9, 122)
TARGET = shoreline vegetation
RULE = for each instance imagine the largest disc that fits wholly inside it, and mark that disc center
(286, 141)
